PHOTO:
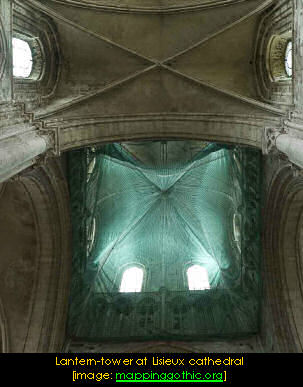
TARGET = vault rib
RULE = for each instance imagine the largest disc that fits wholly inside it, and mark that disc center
(100, 91)
(222, 30)
(118, 240)
(251, 101)
(155, 63)
(63, 19)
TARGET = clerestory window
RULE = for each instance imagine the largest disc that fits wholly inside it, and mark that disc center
(279, 58)
(288, 59)
(132, 280)
(22, 58)
(197, 278)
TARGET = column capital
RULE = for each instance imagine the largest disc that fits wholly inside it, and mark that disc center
(269, 139)
(52, 139)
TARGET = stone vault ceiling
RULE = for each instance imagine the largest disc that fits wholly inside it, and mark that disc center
(117, 63)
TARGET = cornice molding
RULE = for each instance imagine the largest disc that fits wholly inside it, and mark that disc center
(133, 6)
(85, 131)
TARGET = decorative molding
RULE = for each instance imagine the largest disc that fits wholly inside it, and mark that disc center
(133, 6)
(244, 346)
(47, 188)
(90, 130)
(294, 123)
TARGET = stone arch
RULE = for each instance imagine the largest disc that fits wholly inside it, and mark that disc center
(283, 296)
(72, 134)
(149, 7)
(36, 272)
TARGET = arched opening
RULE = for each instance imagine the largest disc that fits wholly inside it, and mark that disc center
(237, 227)
(279, 57)
(22, 59)
(132, 280)
(197, 278)
(288, 59)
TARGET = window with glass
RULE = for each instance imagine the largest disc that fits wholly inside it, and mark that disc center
(288, 59)
(22, 58)
(132, 280)
(197, 278)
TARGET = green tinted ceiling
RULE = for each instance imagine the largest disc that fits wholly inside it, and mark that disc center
(163, 206)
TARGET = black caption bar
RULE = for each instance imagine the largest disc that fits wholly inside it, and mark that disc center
(136, 368)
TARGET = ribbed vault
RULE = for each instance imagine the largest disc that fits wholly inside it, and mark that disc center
(156, 68)
(140, 204)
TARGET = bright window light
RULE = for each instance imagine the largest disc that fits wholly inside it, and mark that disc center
(288, 59)
(236, 227)
(132, 280)
(197, 278)
(22, 59)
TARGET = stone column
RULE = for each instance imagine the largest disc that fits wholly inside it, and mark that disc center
(19, 151)
(292, 147)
